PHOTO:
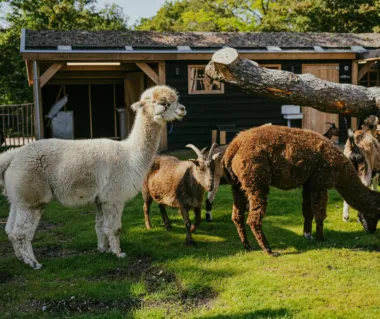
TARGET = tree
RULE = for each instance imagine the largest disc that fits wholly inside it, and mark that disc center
(266, 15)
(304, 89)
(45, 14)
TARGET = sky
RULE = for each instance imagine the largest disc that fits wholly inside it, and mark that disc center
(136, 9)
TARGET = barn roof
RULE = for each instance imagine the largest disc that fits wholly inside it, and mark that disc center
(148, 40)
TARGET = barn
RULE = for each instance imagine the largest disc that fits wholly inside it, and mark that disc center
(104, 72)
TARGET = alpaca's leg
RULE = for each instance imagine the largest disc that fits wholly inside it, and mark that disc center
(257, 208)
(103, 244)
(147, 203)
(198, 218)
(319, 206)
(346, 212)
(186, 220)
(22, 235)
(238, 211)
(307, 213)
(112, 226)
(210, 199)
(9, 229)
(165, 217)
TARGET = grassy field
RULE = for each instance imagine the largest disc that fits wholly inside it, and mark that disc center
(163, 278)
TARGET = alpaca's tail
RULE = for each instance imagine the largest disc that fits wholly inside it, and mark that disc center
(5, 160)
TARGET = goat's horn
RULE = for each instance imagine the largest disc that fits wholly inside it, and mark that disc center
(196, 150)
(204, 150)
(211, 150)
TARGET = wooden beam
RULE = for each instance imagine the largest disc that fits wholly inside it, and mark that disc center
(29, 72)
(148, 71)
(162, 81)
(48, 74)
(122, 67)
(365, 69)
(354, 80)
(156, 57)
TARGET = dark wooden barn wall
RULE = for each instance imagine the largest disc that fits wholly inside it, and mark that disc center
(204, 112)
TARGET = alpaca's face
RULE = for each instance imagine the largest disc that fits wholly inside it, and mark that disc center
(161, 102)
(369, 223)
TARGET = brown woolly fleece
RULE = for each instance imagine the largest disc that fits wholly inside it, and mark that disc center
(288, 158)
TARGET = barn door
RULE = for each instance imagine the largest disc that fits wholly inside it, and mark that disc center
(313, 119)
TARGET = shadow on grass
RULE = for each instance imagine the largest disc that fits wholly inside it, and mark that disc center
(264, 313)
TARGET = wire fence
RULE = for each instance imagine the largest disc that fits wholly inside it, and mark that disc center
(16, 124)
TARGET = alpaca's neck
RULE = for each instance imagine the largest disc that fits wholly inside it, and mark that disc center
(356, 194)
(144, 138)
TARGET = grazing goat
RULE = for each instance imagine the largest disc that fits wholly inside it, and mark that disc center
(332, 131)
(288, 158)
(80, 172)
(363, 150)
(181, 184)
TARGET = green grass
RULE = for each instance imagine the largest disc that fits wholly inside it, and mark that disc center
(163, 278)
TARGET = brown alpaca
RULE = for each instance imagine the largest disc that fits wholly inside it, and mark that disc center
(288, 158)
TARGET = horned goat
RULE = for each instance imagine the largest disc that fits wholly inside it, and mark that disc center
(288, 158)
(332, 131)
(180, 184)
(363, 150)
(79, 172)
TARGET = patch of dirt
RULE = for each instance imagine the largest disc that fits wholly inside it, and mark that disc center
(77, 306)
(46, 225)
(54, 251)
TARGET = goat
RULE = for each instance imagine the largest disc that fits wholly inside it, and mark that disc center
(180, 184)
(288, 158)
(332, 131)
(363, 150)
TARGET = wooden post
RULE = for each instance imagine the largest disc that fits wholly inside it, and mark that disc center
(38, 110)
(355, 77)
(214, 136)
(162, 81)
(223, 137)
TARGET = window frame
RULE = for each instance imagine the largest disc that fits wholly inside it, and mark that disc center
(191, 80)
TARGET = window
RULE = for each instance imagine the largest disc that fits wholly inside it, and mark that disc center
(199, 83)
(371, 78)
(271, 66)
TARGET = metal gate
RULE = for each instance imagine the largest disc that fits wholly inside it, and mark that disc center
(16, 124)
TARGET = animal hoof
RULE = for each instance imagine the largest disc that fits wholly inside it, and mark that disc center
(148, 227)
(346, 219)
(104, 250)
(308, 236)
(191, 243)
(248, 247)
(169, 228)
(121, 255)
(208, 217)
(36, 266)
(275, 254)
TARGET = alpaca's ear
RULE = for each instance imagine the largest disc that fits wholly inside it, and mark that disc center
(136, 106)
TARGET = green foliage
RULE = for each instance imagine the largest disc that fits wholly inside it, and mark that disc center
(45, 14)
(266, 15)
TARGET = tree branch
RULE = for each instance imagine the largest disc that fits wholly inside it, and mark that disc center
(305, 90)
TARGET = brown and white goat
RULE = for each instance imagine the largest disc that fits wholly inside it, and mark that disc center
(180, 184)
(288, 158)
(363, 150)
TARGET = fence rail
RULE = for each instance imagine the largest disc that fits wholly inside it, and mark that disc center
(16, 124)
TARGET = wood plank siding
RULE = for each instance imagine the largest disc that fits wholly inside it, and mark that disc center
(205, 111)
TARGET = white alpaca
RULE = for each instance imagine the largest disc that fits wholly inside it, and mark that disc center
(80, 172)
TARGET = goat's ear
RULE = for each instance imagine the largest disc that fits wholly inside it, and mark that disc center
(135, 106)
(215, 156)
(196, 162)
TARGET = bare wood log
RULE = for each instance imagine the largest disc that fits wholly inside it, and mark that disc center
(306, 89)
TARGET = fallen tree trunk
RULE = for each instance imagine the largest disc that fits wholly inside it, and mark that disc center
(303, 89)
